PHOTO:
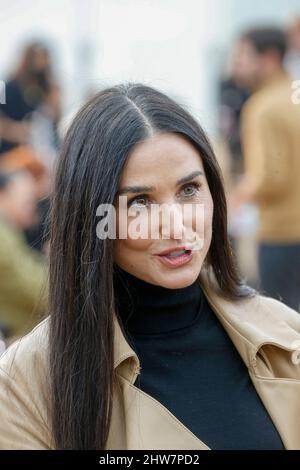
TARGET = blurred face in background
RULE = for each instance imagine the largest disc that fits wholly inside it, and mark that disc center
(159, 164)
(245, 64)
(18, 200)
(39, 59)
(294, 36)
(34, 71)
(252, 67)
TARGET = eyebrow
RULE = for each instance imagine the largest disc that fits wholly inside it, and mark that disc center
(189, 177)
(140, 189)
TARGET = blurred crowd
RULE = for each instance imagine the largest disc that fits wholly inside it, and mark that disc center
(260, 129)
(260, 155)
(29, 145)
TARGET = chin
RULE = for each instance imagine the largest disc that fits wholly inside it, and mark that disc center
(177, 280)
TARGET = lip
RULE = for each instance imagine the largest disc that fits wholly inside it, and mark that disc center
(174, 262)
(174, 248)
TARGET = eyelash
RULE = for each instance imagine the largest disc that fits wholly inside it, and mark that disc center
(145, 196)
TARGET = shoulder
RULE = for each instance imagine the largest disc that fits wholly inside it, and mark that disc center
(280, 311)
(275, 311)
(6, 230)
(268, 318)
(10, 240)
(34, 345)
(262, 105)
(251, 309)
(24, 392)
(257, 108)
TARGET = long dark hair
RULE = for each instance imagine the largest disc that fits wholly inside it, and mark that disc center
(95, 150)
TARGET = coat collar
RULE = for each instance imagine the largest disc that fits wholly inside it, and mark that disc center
(250, 323)
(254, 322)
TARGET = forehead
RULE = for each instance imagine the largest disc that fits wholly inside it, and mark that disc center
(245, 46)
(162, 155)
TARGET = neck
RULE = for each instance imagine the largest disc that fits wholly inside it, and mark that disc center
(271, 76)
(146, 308)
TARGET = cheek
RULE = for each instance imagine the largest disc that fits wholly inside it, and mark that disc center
(128, 251)
(208, 215)
(208, 221)
(137, 245)
(203, 217)
(136, 240)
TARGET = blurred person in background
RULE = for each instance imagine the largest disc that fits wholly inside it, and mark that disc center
(292, 58)
(44, 137)
(28, 126)
(271, 146)
(22, 270)
(233, 93)
(16, 160)
(25, 90)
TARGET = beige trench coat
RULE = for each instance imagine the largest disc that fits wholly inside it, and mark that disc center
(265, 332)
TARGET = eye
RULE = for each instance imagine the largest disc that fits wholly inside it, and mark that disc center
(190, 189)
(141, 200)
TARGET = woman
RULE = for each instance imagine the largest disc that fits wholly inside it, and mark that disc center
(153, 342)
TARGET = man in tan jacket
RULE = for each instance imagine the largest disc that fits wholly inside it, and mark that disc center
(271, 148)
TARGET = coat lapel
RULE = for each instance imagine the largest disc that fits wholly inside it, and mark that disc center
(150, 425)
(264, 342)
(266, 334)
(138, 420)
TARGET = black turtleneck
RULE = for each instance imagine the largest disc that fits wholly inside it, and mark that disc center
(150, 309)
(190, 365)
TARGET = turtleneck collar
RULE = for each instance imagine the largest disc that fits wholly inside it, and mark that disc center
(146, 308)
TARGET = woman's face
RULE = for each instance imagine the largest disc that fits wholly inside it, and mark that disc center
(165, 172)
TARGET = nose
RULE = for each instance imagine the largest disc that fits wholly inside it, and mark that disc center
(183, 222)
(172, 222)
